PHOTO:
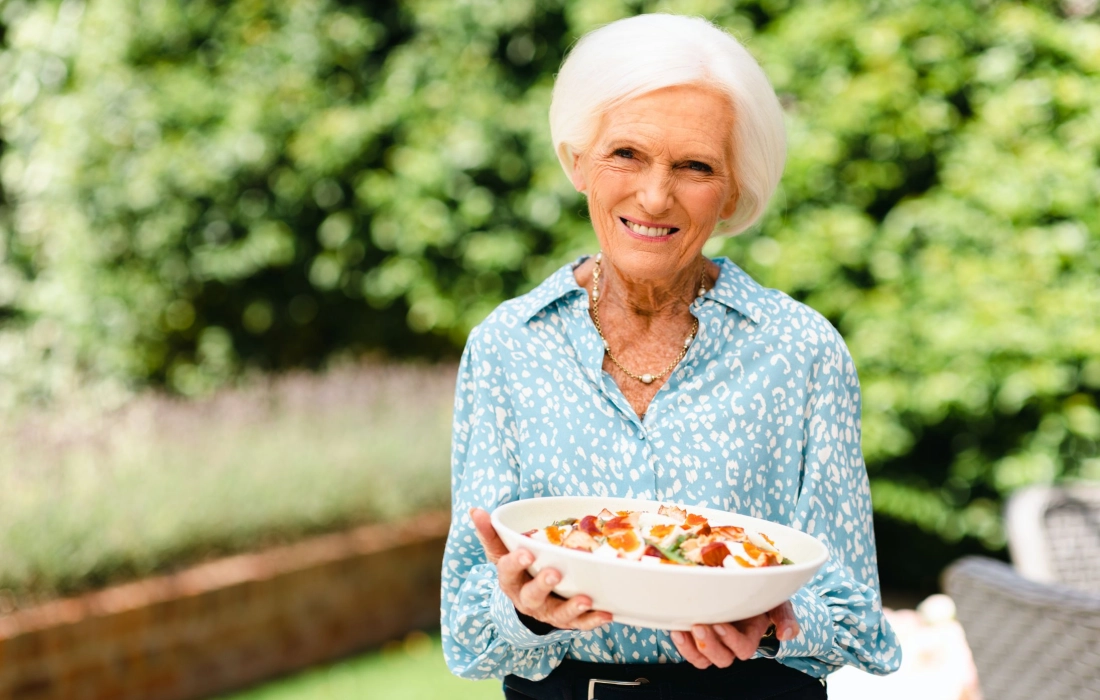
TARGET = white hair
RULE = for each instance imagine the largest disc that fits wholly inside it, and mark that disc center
(638, 55)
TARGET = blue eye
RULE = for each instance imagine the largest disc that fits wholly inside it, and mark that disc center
(700, 167)
(624, 153)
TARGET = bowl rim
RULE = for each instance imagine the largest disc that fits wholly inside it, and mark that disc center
(572, 554)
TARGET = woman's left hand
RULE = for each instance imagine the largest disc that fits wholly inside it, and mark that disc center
(719, 645)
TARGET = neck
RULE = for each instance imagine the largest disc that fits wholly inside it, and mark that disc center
(651, 298)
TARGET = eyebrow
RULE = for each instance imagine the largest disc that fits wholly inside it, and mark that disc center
(711, 159)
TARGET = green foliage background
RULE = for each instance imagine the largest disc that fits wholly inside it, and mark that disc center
(194, 189)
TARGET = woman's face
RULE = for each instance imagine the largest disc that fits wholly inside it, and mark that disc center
(658, 176)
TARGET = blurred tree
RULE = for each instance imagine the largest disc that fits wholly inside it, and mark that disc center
(194, 189)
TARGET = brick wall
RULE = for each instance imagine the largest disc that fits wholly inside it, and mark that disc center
(229, 623)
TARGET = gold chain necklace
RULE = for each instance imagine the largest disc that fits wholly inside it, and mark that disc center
(644, 378)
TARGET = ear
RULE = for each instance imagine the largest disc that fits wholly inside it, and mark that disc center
(577, 176)
(730, 205)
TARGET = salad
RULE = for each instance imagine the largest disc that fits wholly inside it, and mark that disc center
(669, 536)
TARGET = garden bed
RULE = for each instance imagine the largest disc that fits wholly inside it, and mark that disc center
(230, 623)
(92, 497)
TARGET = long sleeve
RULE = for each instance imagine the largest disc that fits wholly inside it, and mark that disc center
(761, 418)
(483, 636)
(839, 611)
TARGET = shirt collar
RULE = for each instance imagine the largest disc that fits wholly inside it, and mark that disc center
(738, 291)
(734, 289)
(557, 286)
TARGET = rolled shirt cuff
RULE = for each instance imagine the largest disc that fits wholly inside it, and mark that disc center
(816, 632)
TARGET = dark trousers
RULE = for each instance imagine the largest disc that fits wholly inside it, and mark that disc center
(756, 679)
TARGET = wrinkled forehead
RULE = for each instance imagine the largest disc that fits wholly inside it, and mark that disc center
(697, 117)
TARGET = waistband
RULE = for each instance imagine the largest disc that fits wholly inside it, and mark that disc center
(755, 679)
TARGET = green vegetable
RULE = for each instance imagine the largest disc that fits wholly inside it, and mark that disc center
(673, 552)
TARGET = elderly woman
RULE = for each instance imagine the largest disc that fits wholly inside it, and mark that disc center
(649, 371)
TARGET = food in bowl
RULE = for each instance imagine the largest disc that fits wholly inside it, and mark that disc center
(636, 594)
(671, 535)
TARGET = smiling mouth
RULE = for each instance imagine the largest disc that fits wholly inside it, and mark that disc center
(647, 230)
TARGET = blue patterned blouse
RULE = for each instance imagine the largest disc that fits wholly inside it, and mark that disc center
(761, 417)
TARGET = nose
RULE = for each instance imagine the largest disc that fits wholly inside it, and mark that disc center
(655, 191)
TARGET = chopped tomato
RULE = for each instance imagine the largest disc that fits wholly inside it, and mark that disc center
(616, 523)
(590, 525)
(694, 543)
(714, 554)
(651, 551)
(622, 522)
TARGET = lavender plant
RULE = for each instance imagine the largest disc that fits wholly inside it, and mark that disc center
(88, 498)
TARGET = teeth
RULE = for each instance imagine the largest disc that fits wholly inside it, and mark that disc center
(648, 231)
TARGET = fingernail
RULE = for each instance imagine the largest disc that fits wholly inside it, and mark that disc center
(720, 630)
(525, 559)
(678, 637)
(583, 606)
(699, 632)
(787, 632)
(552, 579)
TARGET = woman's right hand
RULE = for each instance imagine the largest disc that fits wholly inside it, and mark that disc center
(534, 597)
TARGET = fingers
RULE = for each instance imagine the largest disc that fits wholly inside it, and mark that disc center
(569, 614)
(685, 644)
(534, 596)
(786, 625)
(534, 593)
(743, 637)
(490, 541)
(712, 646)
(574, 613)
(721, 644)
(590, 621)
(512, 574)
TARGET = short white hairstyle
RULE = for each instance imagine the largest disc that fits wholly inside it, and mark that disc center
(635, 56)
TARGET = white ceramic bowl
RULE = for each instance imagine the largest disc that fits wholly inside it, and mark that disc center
(660, 597)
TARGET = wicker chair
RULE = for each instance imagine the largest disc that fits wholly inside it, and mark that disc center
(1054, 534)
(1034, 629)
